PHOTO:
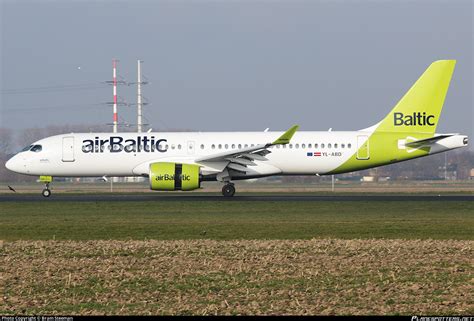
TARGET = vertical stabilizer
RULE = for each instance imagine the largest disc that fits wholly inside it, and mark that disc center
(419, 110)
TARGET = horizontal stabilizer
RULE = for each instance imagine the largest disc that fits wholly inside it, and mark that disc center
(428, 141)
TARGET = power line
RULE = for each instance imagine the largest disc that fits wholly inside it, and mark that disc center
(48, 89)
(22, 108)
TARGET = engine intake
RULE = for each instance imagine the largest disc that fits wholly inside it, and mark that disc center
(174, 177)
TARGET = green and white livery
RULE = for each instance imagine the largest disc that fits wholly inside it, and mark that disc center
(182, 160)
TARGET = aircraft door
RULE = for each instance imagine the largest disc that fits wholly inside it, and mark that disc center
(68, 149)
(363, 151)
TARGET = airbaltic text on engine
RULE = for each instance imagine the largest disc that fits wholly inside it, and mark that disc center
(417, 119)
(167, 177)
(117, 144)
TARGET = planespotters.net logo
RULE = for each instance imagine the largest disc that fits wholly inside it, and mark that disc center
(435, 318)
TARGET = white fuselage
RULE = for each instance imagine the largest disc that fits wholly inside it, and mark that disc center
(130, 154)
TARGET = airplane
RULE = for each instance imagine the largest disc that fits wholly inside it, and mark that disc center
(182, 160)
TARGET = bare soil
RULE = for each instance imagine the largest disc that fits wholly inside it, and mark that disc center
(319, 276)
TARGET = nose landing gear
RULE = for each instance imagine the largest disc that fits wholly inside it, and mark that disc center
(46, 180)
(46, 192)
(228, 190)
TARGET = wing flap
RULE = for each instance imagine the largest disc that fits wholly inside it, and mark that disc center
(241, 161)
(237, 167)
(254, 156)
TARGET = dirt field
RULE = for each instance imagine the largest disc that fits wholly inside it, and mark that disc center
(319, 276)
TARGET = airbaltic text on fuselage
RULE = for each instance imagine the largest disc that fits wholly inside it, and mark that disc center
(415, 119)
(116, 144)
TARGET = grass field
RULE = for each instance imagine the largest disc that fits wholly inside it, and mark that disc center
(235, 220)
(237, 257)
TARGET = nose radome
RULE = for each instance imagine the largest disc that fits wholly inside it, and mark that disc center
(14, 165)
(8, 164)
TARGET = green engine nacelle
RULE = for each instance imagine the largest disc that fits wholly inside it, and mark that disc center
(174, 177)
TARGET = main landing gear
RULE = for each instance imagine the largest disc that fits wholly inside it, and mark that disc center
(46, 192)
(228, 190)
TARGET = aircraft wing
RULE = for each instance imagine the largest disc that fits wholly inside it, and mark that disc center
(239, 159)
(427, 141)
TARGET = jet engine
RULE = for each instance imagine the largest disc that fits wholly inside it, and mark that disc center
(174, 176)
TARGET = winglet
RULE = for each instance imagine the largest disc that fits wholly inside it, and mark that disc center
(285, 138)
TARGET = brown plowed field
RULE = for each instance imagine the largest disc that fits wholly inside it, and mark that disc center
(318, 276)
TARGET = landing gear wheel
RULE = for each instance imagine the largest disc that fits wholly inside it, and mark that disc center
(46, 192)
(228, 190)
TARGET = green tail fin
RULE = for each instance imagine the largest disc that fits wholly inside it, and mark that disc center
(419, 110)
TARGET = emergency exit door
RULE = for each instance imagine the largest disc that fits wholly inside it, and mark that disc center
(68, 149)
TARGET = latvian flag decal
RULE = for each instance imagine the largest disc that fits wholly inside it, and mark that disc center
(314, 154)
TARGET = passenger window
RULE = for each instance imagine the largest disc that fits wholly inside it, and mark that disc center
(172, 146)
(213, 146)
(36, 148)
(303, 146)
(335, 145)
(240, 146)
(329, 145)
(309, 145)
(220, 146)
(349, 145)
(291, 146)
(342, 145)
(297, 145)
(233, 146)
(322, 145)
(202, 146)
(179, 146)
(315, 145)
(246, 145)
(226, 146)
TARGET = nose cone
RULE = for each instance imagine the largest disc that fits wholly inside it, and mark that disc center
(15, 165)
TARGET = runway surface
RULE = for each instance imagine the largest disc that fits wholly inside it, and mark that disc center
(216, 197)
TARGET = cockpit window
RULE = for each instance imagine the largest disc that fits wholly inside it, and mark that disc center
(36, 148)
(26, 148)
